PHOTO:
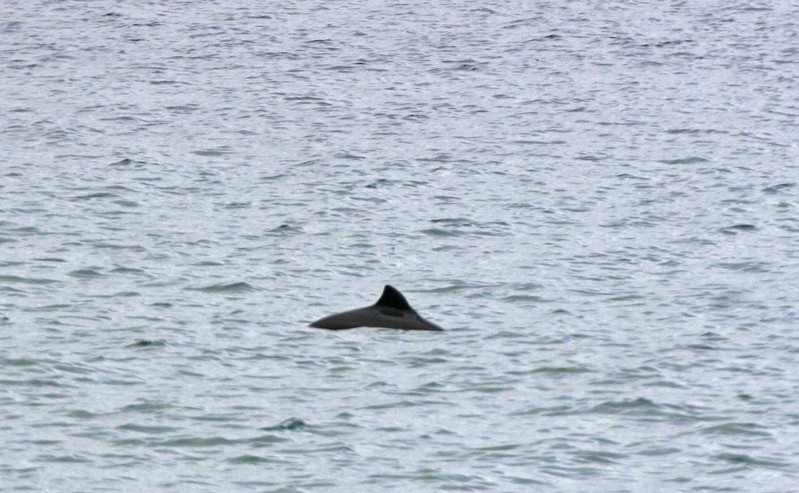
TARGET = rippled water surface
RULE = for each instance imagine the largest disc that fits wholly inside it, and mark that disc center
(597, 200)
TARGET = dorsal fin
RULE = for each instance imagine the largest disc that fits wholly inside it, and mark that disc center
(393, 299)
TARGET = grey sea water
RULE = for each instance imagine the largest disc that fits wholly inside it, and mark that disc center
(597, 200)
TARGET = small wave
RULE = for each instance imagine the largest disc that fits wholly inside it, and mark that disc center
(219, 151)
(778, 188)
(128, 162)
(150, 430)
(194, 442)
(26, 280)
(288, 424)
(748, 429)
(145, 343)
(65, 459)
(85, 274)
(560, 370)
(235, 287)
(249, 459)
(441, 232)
(731, 230)
(635, 406)
(688, 160)
(96, 195)
(743, 459)
(744, 266)
(284, 229)
(127, 270)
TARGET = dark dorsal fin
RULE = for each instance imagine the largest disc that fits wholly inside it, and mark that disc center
(393, 299)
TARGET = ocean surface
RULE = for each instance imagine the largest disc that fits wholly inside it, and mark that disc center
(599, 202)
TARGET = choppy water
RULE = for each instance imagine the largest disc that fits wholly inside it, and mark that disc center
(598, 200)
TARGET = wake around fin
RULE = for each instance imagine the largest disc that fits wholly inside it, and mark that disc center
(393, 299)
